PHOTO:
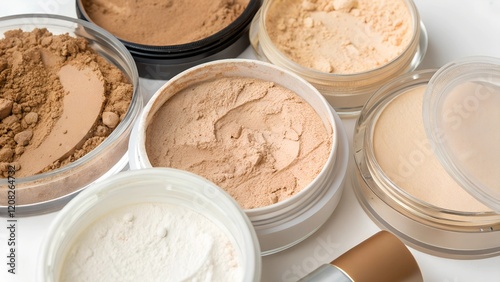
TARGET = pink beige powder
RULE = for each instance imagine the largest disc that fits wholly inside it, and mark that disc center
(259, 141)
(163, 22)
(340, 36)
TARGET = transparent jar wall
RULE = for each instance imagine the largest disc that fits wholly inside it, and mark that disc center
(452, 234)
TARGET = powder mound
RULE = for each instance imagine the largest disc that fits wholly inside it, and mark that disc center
(340, 36)
(33, 100)
(257, 140)
(159, 22)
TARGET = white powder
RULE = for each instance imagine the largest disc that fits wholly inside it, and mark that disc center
(152, 242)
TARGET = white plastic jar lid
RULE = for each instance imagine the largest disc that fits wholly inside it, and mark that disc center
(461, 113)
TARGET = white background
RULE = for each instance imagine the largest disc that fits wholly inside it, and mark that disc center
(456, 28)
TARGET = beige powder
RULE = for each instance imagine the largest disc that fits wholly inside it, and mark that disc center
(340, 36)
(163, 22)
(56, 97)
(259, 141)
(406, 156)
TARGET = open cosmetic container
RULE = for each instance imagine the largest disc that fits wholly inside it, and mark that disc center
(279, 224)
(347, 89)
(162, 61)
(49, 191)
(427, 156)
(149, 189)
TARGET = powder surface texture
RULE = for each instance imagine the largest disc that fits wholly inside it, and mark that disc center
(340, 36)
(152, 242)
(56, 94)
(164, 22)
(259, 141)
(407, 157)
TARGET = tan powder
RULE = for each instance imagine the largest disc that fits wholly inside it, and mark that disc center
(163, 22)
(406, 156)
(340, 36)
(259, 141)
(45, 121)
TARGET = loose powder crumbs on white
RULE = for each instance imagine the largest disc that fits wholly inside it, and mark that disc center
(152, 242)
(406, 156)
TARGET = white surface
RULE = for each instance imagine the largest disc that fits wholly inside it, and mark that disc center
(456, 28)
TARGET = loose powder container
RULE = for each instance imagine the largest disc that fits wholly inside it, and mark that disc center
(167, 37)
(346, 49)
(152, 224)
(261, 133)
(62, 147)
(426, 154)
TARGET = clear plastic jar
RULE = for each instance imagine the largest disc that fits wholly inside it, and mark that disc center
(427, 225)
(49, 191)
(345, 92)
(158, 185)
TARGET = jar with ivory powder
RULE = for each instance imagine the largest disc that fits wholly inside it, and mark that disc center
(347, 49)
(261, 133)
(153, 224)
(427, 157)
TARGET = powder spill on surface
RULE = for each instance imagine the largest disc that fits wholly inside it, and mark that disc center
(406, 156)
(46, 123)
(152, 242)
(259, 141)
(158, 22)
(340, 36)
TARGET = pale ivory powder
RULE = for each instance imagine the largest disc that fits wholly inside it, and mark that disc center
(259, 141)
(406, 156)
(152, 242)
(340, 36)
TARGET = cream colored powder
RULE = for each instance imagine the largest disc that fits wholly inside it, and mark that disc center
(259, 141)
(406, 156)
(340, 36)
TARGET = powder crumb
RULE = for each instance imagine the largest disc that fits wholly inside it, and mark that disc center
(158, 22)
(314, 33)
(257, 140)
(32, 95)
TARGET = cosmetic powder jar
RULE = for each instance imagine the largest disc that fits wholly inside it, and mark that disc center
(194, 197)
(159, 61)
(279, 224)
(426, 156)
(330, 36)
(49, 191)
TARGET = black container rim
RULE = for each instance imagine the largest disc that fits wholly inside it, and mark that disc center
(211, 44)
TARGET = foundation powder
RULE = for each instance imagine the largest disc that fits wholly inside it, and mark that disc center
(58, 100)
(152, 242)
(407, 157)
(163, 22)
(340, 36)
(259, 141)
